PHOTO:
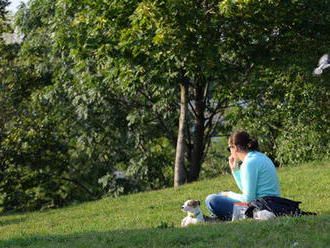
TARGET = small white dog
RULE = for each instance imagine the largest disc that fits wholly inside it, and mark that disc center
(195, 215)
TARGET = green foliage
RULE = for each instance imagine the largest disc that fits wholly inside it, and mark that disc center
(216, 161)
(4, 24)
(289, 115)
(72, 126)
(305, 136)
(35, 166)
(93, 89)
(279, 101)
(116, 186)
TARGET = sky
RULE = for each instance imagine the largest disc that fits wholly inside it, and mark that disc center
(14, 4)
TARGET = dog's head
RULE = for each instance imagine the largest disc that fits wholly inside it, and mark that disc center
(190, 206)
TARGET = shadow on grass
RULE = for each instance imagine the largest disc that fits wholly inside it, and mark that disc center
(282, 232)
(152, 237)
(12, 221)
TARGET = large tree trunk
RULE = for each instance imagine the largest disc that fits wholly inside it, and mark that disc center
(179, 169)
(198, 135)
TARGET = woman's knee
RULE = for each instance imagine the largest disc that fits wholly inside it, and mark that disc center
(209, 199)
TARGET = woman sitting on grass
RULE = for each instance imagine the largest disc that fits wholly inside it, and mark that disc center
(256, 176)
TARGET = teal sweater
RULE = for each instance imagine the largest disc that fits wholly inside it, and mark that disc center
(256, 178)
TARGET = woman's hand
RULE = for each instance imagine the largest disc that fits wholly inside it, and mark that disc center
(232, 162)
(224, 193)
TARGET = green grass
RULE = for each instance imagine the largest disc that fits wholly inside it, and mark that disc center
(152, 219)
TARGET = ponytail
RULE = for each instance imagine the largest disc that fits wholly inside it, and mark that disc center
(253, 144)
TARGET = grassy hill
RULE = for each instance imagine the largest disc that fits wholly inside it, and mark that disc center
(152, 219)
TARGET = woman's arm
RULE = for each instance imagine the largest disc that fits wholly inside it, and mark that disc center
(246, 179)
(235, 171)
(237, 176)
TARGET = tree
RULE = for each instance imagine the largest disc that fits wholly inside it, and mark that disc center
(278, 99)
(44, 154)
(202, 49)
(209, 50)
(70, 132)
(180, 41)
(99, 86)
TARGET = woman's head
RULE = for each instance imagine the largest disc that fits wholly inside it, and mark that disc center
(241, 141)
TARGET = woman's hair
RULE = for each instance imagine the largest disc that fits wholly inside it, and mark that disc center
(243, 141)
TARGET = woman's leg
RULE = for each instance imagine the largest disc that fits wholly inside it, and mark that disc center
(220, 206)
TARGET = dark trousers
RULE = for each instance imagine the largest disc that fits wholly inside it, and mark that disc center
(220, 206)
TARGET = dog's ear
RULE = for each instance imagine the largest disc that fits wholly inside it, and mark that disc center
(190, 203)
(196, 203)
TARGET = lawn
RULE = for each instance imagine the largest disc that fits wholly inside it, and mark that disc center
(152, 219)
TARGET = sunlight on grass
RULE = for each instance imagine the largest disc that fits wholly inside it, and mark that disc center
(153, 218)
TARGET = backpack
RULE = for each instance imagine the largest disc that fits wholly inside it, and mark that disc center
(279, 206)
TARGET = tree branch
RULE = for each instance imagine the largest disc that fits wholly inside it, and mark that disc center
(78, 184)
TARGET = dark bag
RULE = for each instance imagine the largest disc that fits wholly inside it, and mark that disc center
(277, 205)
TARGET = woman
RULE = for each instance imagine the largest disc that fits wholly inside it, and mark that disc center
(256, 177)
